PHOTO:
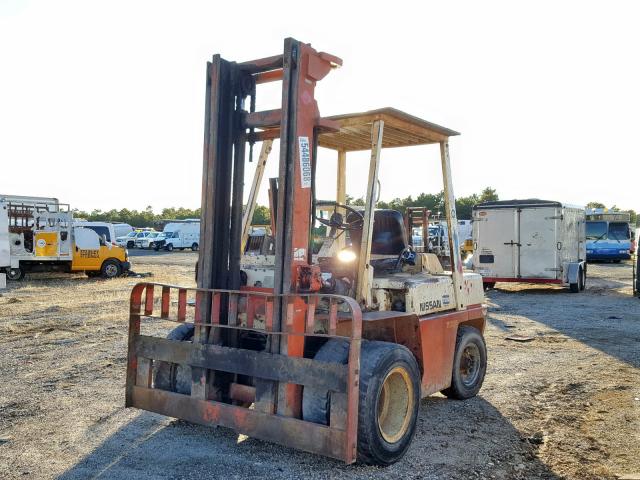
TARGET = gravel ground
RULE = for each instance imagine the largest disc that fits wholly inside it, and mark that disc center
(564, 405)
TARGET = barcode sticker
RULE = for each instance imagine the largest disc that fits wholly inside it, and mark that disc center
(305, 162)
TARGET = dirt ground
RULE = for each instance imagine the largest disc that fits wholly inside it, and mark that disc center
(564, 405)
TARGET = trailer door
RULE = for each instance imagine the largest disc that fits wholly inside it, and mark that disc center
(538, 243)
(494, 234)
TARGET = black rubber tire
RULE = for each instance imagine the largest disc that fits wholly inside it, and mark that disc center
(577, 286)
(111, 268)
(152, 245)
(169, 247)
(488, 285)
(175, 377)
(458, 390)
(584, 278)
(315, 401)
(15, 274)
(377, 359)
(617, 260)
(131, 244)
(93, 273)
(194, 247)
(156, 248)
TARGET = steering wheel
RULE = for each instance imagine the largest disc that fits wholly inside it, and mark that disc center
(337, 220)
(408, 255)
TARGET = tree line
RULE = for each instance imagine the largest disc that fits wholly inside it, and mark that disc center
(262, 216)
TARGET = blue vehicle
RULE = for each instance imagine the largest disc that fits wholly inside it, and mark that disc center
(608, 236)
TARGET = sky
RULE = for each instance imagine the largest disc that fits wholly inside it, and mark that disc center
(102, 103)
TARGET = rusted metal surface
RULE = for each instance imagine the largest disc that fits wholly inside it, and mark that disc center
(252, 311)
(438, 335)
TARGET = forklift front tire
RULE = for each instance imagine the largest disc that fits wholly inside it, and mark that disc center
(174, 377)
(389, 402)
(469, 364)
(389, 398)
(15, 274)
(111, 268)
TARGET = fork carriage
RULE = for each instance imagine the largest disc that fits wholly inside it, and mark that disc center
(275, 378)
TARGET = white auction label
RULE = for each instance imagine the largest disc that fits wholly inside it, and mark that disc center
(305, 162)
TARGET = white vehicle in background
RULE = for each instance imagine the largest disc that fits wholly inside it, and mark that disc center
(122, 229)
(530, 241)
(180, 235)
(147, 241)
(129, 240)
(5, 255)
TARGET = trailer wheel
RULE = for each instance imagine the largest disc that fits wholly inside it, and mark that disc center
(469, 364)
(584, 278)
(175, 377)
(15, 274)
(580, 284)
(194, 247)
(111, 268)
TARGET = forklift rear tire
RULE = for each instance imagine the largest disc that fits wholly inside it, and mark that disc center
(469, 364)
(111, 268)
(389, 398)
(194, 247)
(175, 377)
(15, 274)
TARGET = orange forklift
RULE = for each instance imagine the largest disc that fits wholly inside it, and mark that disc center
(330, 351)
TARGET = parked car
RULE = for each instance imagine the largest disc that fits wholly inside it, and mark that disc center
(129, 240)
(147, 241)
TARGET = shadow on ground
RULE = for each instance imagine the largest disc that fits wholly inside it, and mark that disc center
(453, 439)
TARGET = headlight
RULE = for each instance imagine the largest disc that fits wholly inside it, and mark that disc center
(346, 255)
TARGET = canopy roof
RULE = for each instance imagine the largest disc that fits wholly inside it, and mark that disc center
(400, 130)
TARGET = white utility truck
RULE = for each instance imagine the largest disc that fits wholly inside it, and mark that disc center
(180, 235)
(530, 241)
(43, 236)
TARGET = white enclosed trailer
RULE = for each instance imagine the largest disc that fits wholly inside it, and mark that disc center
(532, 241)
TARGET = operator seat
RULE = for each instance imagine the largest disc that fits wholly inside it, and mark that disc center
(389, 236)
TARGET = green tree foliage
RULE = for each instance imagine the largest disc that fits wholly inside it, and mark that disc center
(147, 218)
(595, 205)
(434, 202)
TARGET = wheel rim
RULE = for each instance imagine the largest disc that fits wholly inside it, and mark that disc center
(395, 405)
(470, 365)
(13, 274)
(111, 270)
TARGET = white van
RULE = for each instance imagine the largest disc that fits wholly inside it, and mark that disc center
(179, 235)
(122, 229)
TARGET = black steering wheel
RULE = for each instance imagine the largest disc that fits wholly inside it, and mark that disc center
(336, 220)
